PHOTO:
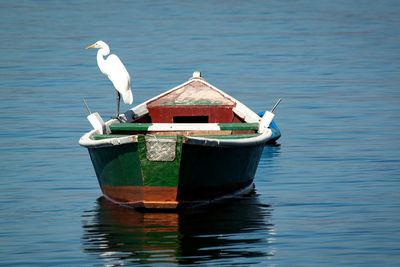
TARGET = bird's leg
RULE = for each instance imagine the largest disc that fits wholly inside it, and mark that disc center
(118, 103)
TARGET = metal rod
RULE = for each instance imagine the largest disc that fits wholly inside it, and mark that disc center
(276, 104)
(87, 107)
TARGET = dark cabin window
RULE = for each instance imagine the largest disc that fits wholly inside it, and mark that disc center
(190, 119)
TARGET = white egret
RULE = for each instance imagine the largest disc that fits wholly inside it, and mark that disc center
(114, 69)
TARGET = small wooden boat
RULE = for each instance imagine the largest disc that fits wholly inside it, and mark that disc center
(190, 145)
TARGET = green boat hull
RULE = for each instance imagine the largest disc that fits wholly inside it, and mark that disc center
(198, 174)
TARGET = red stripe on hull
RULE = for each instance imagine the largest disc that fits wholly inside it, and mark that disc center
(142, 196)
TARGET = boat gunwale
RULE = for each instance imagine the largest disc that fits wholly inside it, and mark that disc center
(263, 137)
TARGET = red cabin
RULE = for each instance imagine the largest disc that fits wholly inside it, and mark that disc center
(194, 102)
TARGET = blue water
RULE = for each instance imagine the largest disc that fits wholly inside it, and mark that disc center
(327, 195)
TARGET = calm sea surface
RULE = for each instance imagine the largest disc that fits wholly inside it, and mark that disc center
(327, 195)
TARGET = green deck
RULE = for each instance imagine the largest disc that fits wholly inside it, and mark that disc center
(129, 127)
(239, 126)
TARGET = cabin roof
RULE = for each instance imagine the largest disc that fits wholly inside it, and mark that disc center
(196, 92)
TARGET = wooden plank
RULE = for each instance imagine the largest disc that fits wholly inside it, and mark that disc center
(107, 136)
(129, 127)
(138, 127)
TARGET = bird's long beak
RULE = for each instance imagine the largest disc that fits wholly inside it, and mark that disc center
(91, 46)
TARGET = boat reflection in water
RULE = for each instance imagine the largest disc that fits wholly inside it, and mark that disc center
(237, 231)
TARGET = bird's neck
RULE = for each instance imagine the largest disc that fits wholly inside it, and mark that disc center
(101, 62)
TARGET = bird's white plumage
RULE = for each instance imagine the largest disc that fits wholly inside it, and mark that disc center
(120, 78)
(114, 69)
